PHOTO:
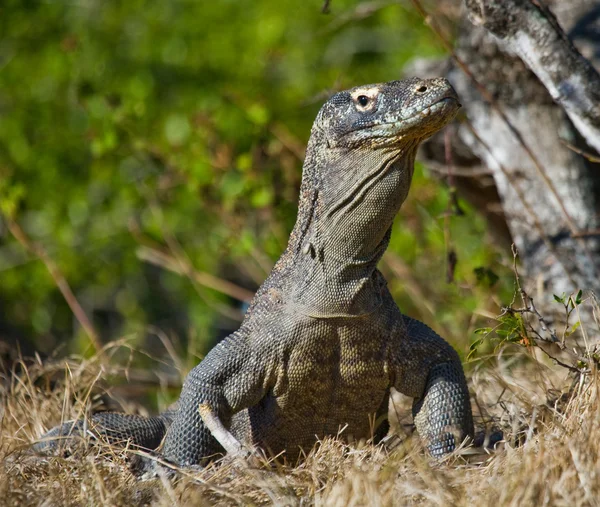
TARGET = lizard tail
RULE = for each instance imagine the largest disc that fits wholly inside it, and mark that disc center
(119, 429)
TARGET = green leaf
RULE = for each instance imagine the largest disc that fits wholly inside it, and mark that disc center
(258, 114)
(510, 319)
(261, 198)
(483, 330)
(573, 329)
(473, 348)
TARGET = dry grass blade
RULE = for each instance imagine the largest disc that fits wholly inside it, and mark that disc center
(553, 457)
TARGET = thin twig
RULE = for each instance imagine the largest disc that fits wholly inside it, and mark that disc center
(181, 267)
(287, 139)
(528, 300)
(60, 281)
(586, 233)
(442, 170)
(453, 209)
(530, 309)
(579, 151)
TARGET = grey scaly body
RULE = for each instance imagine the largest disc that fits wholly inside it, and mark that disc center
(323, 342)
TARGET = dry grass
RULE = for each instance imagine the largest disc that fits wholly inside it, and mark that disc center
(552, 454)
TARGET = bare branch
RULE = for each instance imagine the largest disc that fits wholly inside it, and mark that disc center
(585, 154)
(552, 339)
(60, 281)
(532, 32)
(167, 261)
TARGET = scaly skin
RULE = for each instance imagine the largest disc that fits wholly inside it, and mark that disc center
(323, 342)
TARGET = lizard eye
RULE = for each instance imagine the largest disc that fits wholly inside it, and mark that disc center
(363, 100)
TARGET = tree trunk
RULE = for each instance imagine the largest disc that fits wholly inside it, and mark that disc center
(526, 89)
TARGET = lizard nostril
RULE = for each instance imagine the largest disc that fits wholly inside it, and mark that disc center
(421, 89)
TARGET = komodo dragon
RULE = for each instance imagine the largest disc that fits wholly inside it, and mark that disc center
(323, 342)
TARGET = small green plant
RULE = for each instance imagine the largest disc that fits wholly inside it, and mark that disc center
(527, 327)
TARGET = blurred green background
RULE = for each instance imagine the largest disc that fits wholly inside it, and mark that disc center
(132, 129)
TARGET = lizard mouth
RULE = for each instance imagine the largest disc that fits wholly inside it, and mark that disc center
(429, 119)
(448, 102)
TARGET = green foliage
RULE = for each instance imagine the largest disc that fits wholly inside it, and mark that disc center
(510, 328)
(140, 121)
(524, 326)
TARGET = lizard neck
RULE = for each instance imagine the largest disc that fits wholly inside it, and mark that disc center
(344, 227)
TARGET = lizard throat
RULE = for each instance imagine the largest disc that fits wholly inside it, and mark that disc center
(335, 262)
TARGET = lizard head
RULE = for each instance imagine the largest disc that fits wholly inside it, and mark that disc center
(386, 114)
(357, 172)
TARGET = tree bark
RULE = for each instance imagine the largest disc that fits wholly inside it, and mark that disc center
(526, 89)
(530, 31)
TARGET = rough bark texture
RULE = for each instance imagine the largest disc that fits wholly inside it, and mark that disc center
(532, 32)
(515, 127)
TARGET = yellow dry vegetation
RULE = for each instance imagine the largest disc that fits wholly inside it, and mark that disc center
(551, 453)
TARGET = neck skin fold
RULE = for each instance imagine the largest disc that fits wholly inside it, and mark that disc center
(347, 206)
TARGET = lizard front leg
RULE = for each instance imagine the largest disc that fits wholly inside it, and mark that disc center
(232, 377)
(443, 414)
(189, 440)
(428, 369)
